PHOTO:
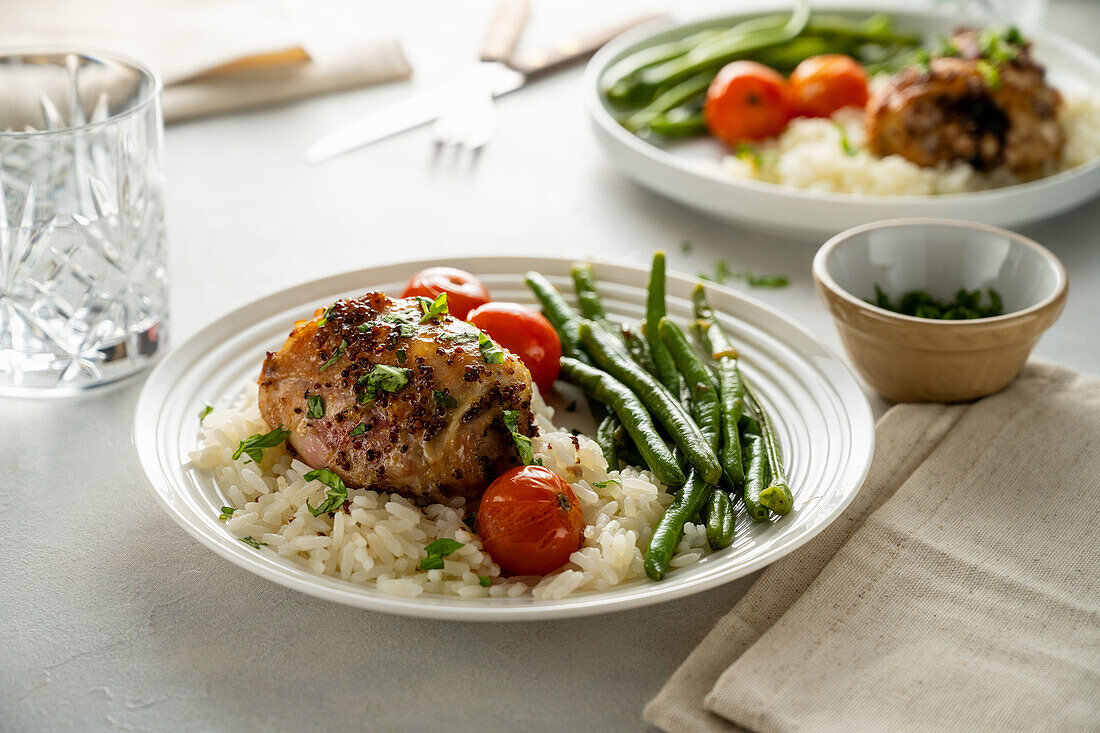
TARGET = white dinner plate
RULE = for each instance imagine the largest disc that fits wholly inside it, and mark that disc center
(823, 422)
(688, 171)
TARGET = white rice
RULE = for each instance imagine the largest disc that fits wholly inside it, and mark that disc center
(381, 538)
(810, 154)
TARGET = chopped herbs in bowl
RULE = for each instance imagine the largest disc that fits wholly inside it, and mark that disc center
(919, 344)
(919, 303)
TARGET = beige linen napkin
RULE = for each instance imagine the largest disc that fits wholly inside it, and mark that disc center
(959, 590)
(221, 55)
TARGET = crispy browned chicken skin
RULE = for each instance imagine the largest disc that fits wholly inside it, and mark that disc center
(415, 440)
(966, 108)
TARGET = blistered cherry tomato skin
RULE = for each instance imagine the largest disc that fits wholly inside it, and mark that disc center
(464, 291)
(530, 521)
(527, 334)
(821, 85)
(747, 101)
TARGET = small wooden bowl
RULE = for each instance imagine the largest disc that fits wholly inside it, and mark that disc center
(908, 359)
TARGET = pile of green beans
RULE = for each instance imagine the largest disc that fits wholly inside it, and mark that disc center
(690, 419)
(660, 89)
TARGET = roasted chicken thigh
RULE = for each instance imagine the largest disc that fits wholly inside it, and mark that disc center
(393, 398)
(984, 102)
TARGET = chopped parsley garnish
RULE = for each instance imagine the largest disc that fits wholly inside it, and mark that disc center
(401, 356)
(1000, 47)
(437, 551)
(722, 274)
(490, 352)
(747, 152)
(335, 497)
(944, 46)
(523, 443)
(340, 349)
(920, 304)
(325, 315)
(845, 143)
(253, 542)
(316, 406)
(766, 281)
(922, 59)
(460, 338)
(403, 322)
(433, 310)
(608, 482)
(383, 378)
(364, 327)
(990, 75)
(227, 512)
(444, 400)
(253, 446)
(485, 581)
(207, 408)
(358, 430)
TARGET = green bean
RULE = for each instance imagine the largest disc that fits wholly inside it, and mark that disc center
(561, 316)
(786, 57)
(605, 438)
(679, 94)
(756, 477)
(638, 349)
(744, 38)
(705, 405)
(731, 390)
(617, 81)
(719, 519)
(667, 534)
(588, 298)
(777, 496)
(631, 413)
(874, 29)
(703, 398)
(654, 312)
(626, 450)
(611, 356)
(679, 122)
(748, 424)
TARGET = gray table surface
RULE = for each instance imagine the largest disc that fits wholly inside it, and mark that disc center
(112, 617)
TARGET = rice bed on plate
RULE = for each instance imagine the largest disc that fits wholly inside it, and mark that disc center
(828, 154)
(381, 537)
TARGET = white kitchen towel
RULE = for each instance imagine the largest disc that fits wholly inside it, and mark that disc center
(959, 591)
(221, 55)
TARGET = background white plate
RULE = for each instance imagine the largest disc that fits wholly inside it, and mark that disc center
(687, 171)
(823, 420)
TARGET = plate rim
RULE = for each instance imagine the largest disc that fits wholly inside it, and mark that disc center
(147, 418)
(607, 125)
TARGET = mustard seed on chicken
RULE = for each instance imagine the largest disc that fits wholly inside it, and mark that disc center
(390, 403)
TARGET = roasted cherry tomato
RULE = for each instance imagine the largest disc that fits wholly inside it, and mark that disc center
(821, 85)
(464, 291)
(747, 101)
(530, 521)
(527, 334)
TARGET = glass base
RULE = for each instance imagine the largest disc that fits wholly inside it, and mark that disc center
(49, 375)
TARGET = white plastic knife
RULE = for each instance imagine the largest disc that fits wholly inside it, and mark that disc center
(499, 75)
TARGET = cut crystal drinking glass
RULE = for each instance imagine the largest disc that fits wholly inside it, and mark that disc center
(83, 288)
